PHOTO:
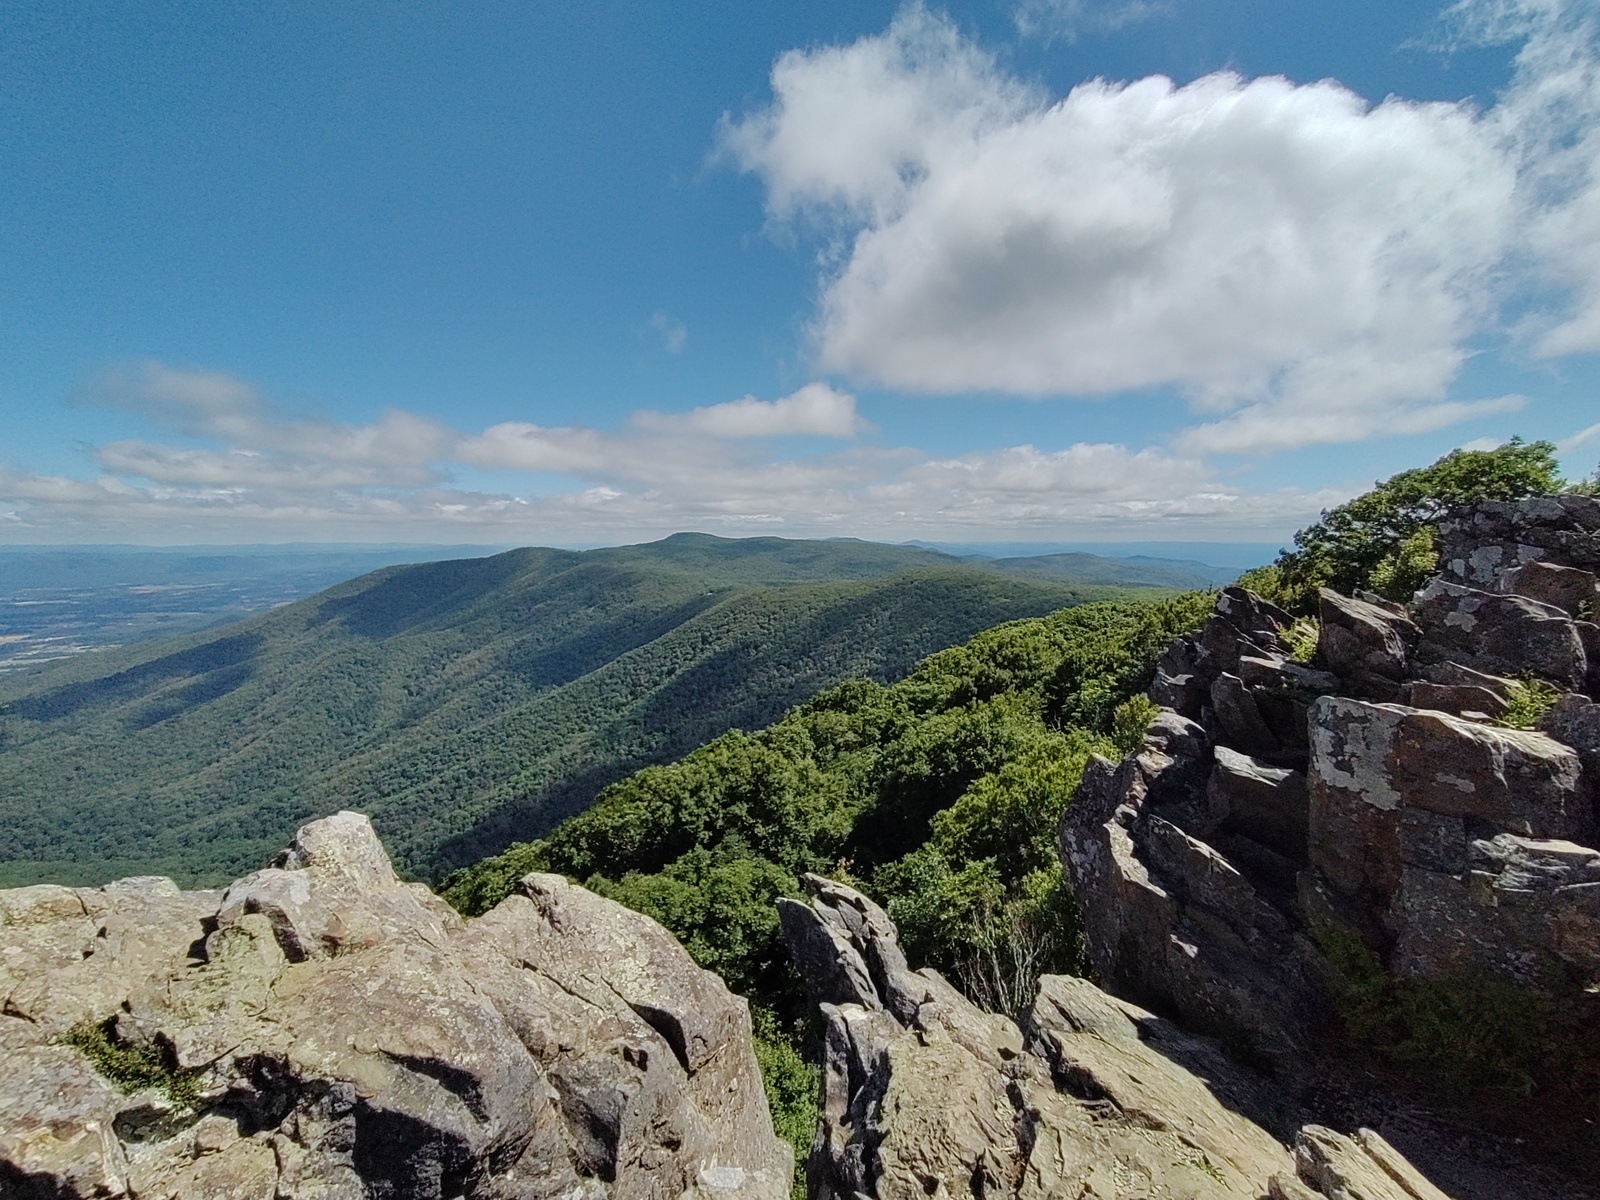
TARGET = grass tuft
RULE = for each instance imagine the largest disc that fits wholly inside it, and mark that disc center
(1527, 701)
(133, 1067)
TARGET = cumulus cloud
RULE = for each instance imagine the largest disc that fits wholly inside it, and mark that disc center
(816, 410)
(656, 447)
(1284, 254)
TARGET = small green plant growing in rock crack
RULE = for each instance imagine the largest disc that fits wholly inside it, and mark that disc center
(1527, 701)
(1301, 638)
(1200, 1161)
(133, 1068)
(791, 1084)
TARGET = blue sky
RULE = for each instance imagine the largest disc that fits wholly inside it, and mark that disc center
(1055, 270)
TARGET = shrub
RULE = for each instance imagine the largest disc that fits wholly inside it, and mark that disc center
(792, 1086)
(1527, 701)
(1302, 639)
(1466, 1035)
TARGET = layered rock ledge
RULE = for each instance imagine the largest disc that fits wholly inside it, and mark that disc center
(322, 1029)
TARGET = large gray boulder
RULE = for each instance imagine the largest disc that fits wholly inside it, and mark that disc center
(1479, 543)
(1574, 592)
(323, 1029)
(1367, 645)
(1392, 787)
(1515, 895)
(1500, 633)
(1170, 919)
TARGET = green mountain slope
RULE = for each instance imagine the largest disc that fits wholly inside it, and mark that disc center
(464, 704)
(939, 794)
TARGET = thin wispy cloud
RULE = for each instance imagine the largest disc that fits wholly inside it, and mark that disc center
(671, 332)
(1070, 19)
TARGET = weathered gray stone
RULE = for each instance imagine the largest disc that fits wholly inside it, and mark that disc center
(1183, 694)
(1241, 623)
(1460, 699)
(1094, 1097)
(1498, 633)
(1354, 839)
(1361, 1168)
(1373, 763)
(1444, 840)
(1266, 803)
(1524, 907)
(1479, 543)
(1237, 719)
(1363, 643)
(1261, 671)
(1520, 781)
(1168, 920)
(347, 1035)
(1574, 592)
(1454, 674)
(1575, 721)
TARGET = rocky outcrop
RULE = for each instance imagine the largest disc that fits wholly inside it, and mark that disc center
(322, 1029)
(1373, 793)
(1481, 544)
(926, 1095)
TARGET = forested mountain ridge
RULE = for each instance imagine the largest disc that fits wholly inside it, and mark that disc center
(464, 704)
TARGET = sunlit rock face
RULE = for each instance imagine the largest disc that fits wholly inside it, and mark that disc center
(924, 1094)
(322, 1029)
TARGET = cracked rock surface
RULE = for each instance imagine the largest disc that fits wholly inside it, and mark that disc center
(926, 1095)
(322, 1029)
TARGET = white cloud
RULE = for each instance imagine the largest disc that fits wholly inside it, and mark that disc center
(1269, 428)
(721, 467)
(395, 450)
(662, 448)
(1305, 265)
(1550, 117)
(816, 410)
(1582, 438)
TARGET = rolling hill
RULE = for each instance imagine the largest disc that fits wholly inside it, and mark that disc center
(465, 705)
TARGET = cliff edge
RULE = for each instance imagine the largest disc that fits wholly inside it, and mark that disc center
(1399, 831)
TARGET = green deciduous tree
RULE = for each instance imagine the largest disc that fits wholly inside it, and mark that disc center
(1383, 540)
